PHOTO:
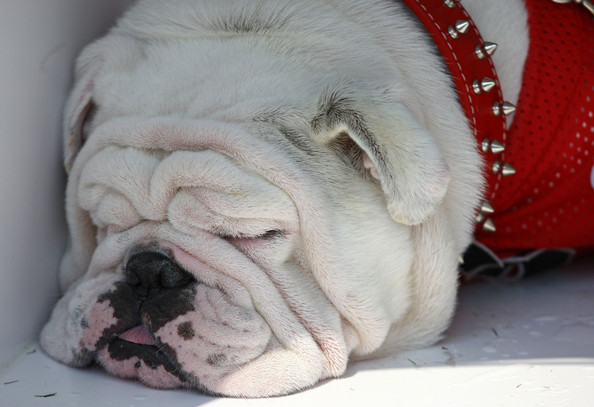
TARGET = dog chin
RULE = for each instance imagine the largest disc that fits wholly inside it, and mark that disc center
(149, 364)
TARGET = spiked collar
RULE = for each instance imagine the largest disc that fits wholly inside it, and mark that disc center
(468, 58)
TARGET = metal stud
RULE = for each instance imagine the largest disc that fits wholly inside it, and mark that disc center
(489, 226)
(486, 143)
(450, 3)
(485, 84)
(497, 109)
(506, 169)
(487, 49)
(496, 167)
(479, 51)
(490, 47)
(480, 217)
(460, 27)
(505, 107)
(508, 108)
(497, 147)
(494, 146)
(486, 207)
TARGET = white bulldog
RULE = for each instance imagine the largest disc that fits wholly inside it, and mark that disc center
(260, 191)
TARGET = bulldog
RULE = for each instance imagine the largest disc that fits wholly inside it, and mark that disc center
(260, 191)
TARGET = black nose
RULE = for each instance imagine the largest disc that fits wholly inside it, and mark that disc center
(151, 271)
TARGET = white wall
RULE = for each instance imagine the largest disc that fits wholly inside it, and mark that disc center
(39, 40)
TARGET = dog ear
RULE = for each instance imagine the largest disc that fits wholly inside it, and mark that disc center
(114, 51)
(78, 112)
(80, 107)
(393, 147)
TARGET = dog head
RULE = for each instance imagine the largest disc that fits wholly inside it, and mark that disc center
(248, 211)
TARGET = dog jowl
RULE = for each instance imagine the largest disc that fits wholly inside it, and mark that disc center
(144, 327)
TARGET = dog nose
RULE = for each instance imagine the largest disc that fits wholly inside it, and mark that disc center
(149, 270)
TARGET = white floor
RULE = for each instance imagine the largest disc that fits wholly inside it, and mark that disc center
(524, 344)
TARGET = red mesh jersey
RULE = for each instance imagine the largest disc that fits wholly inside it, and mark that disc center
(549, 202)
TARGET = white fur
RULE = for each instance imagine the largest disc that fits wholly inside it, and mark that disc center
(186, 148)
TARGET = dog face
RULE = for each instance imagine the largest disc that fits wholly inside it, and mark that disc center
(248, 211)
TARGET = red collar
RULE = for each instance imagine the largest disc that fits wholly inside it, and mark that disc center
(468, 58)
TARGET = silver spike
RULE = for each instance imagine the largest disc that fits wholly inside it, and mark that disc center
(460, 27)
(497, 147)
(505, 107)
(485, 84)
(488, 48)
(494, 146)
(508, 108)
(489, 226)
(508, 170)
(461, 259)
(589, 5)
(486, 207)
(450, 3)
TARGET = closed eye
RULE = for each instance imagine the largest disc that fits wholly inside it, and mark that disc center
(268, 235)
(271, 234)
(270, 246)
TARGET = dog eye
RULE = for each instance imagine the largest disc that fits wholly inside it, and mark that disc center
(271, 234)
(268, 235)
(247, 243)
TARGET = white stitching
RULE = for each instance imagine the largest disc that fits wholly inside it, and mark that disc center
(504, 121)
(466, 84)
(474, 127)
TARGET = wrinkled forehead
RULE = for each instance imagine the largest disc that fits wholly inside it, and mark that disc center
(234, 78)
(247, 145)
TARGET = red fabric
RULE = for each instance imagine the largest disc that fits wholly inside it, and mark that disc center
(549, 202)
(459, 54)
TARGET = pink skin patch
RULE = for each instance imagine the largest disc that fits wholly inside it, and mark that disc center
(369, 166)
(139, 335)
(100, 318)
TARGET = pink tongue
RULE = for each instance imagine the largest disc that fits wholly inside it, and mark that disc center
(139, 335)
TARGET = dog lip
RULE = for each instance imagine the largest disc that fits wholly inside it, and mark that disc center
(151, 355)
(139, 342)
